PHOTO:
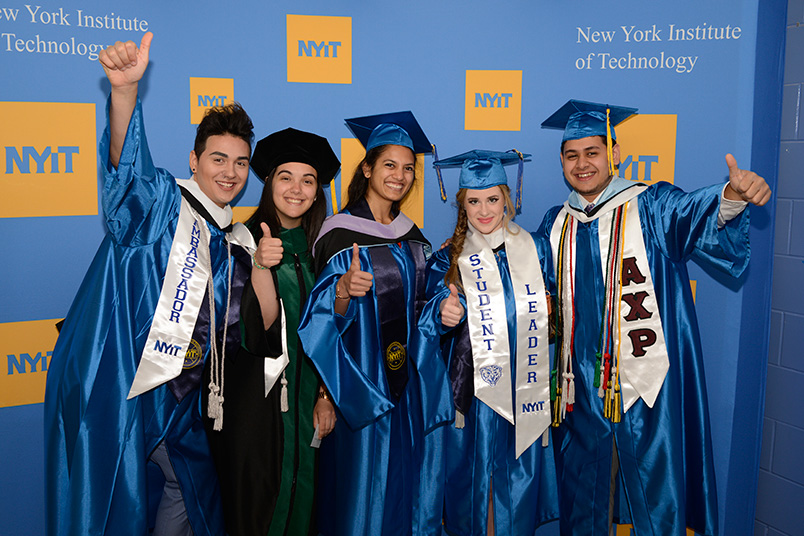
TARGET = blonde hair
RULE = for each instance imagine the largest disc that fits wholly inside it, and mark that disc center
(459, 235)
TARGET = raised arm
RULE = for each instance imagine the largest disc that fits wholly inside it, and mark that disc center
(124, 65)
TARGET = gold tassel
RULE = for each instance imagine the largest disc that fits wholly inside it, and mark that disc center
(557, 408)
(609, 144)
(334, 197)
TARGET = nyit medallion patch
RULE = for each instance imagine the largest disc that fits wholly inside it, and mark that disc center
(193, 356)
(395, 356)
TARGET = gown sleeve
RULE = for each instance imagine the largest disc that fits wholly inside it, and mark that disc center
(430, 345)
(139, 199)
(321, 330)
(542, 239)
(437, 290)
(253, 336)
(684, 226)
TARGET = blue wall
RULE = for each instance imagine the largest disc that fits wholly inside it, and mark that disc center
(781, 477)
(415, 56)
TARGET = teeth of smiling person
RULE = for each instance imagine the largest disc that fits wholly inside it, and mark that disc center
(225, 185)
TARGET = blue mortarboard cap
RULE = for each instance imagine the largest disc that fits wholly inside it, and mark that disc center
(580, 119)
(481, 169)
(398, 128)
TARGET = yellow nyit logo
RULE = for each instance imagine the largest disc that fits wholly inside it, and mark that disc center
(493, 100)
(206, 93)
(49, 163)
(648, 148)
(352, 152)
(27, 347)
(319, 49)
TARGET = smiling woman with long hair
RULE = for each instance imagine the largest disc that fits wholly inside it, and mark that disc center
(487, 315)
(357, 329)
(266, 464)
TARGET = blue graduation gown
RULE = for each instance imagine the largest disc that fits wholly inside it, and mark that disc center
(667, 479)
(482, 455)
(375, 467)
(98, 479)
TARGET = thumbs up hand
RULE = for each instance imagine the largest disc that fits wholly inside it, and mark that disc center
(451, 308)
(355, 282)
(269, 249)
(125, 63)
(745, 185)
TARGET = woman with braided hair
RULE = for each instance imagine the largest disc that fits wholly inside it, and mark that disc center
(487, 314)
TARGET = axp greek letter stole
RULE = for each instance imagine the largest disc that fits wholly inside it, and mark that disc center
(631, 333)
(529, 408)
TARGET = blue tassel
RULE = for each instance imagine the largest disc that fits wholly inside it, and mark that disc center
(438, 175)
(520, 172)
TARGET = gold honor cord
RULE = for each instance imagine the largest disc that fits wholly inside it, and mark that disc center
(334, 197)
(617, 413)
(555, 376)
(613, 399)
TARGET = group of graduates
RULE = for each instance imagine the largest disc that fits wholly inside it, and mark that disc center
(311, 375)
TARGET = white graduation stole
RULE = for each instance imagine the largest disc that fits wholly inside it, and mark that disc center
(529, 408)
(638, 331)
(274, 367)
(181, 296)
(643, 352)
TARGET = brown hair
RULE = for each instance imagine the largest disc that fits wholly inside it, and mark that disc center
(311, 220)
(459, 236)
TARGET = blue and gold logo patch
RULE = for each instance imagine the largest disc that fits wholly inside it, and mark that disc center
(194, 356)
(395, 356)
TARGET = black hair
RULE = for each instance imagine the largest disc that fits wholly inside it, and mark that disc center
(613, 142)
(359, 184)
(230, 119)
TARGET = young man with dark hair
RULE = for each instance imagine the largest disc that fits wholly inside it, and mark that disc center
(126, 451)
(629, 403)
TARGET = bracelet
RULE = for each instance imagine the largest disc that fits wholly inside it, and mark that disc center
(323, 394)
(258, 265)
(338, 293)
